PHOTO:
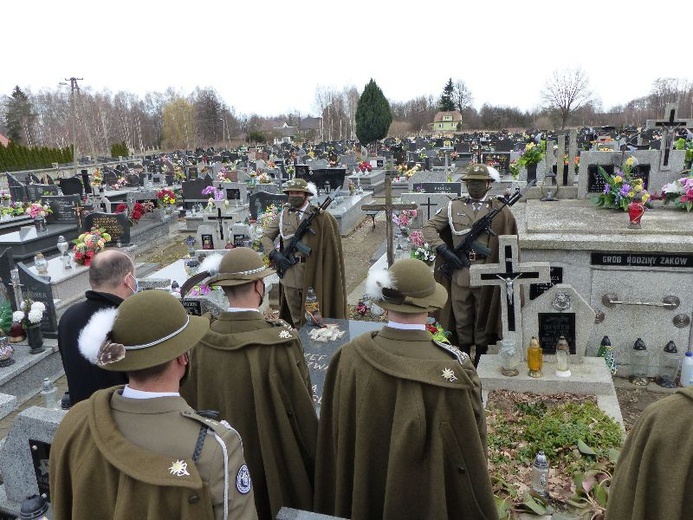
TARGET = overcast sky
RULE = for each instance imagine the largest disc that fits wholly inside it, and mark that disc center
(269, 57)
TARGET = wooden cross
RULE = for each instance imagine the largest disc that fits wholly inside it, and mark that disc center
(388, 208)
(509, 274)
(668, 126)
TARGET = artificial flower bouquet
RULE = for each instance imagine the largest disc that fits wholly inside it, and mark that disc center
(90, 243)
(38, 210)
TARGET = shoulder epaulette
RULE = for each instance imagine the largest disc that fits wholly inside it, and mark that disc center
(452, 349)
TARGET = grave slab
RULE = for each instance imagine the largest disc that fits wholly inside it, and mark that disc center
(589, 378)
(26, 242)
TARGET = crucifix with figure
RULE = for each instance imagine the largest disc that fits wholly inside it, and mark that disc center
(510, 274)
(388, 208)
(668, 126)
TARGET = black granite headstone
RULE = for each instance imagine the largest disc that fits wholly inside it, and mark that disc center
(40, 452)
(192, 190)
(17, 188)
(192, 307)
(537, 289)
(63, 207)
(71, 186)
(86, 182)
(39, 289)
(595, 182)
(109, 178)
(261, 199)
(132, 180)
(116, 224)
(326, 177)
(6, 266)
(192, 173)
(499, 160)
(553, 325)
(233, 194)
(36, 192)
(438, 187)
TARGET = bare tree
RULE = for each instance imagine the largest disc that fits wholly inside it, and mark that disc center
(461, 97)
(566, 92)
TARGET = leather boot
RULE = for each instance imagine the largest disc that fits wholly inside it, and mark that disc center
(478, 352)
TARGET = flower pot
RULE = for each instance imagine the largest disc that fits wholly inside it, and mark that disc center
(35, 339)
(40, 224)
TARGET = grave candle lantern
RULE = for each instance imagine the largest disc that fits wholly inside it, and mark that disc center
(562, 357)
(540, 474)
(535, 359)
(669, 361)
(510, 358)
(639, 363)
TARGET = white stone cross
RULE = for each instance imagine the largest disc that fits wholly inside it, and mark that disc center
(509, 274)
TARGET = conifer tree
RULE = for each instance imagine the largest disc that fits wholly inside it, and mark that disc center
(373, 114)
(446, 102)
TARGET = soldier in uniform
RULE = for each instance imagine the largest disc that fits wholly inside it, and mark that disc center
(139, 450)
(252, 370)
(402, 432)
(473, 313)
(322, 269)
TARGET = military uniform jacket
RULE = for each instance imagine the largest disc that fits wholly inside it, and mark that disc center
(654, 471)
(402, 432)
(120, 458)
(323, 268)
(254, 373)
(437, 231)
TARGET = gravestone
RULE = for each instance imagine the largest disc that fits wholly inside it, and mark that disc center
(192, 190)
(132, 180)
(23, 459)
(260, 200)
(453, 188)
(6, 266)
(498, 160)
(537, 289)
(318, 354)
(560, 311)
(191, 173)
(36, 192)
(86, 182)
(71, 186)
(109, 178)
(208, 237)
(326, 179)
(590, 182)
(17, 189)
(116, 224)
(509, 274)
(427, 206)
(63, 207)
(39, 289)
(669, 125)
(235, 191)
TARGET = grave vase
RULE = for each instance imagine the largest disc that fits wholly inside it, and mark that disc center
(40, 224)
(531, 172)
(35, 339)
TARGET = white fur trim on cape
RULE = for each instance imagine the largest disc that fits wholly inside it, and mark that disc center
(94, 333)
(376, 280)
(312, 188)
(211, 264)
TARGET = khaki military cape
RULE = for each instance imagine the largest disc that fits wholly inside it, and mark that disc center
(489, 302)
(254, 373)
(324, 268)
(96, 472)
(654, 471)
(402, 432)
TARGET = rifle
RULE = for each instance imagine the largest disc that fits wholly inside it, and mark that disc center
(483, 225)
(295, 243)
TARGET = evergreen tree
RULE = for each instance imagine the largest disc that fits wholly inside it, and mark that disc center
(373, 114)
(446, 102)
(18, 116)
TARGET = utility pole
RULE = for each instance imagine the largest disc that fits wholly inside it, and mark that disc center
(74, 88)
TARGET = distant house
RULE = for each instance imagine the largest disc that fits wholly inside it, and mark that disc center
(447, 121)
(4, 140)
(284, 133)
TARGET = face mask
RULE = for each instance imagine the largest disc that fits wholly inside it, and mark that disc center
(296, 202)
(264, 301)
(137, 285)
(477, 189)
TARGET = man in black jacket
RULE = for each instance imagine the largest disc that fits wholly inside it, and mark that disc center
(112, 279)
